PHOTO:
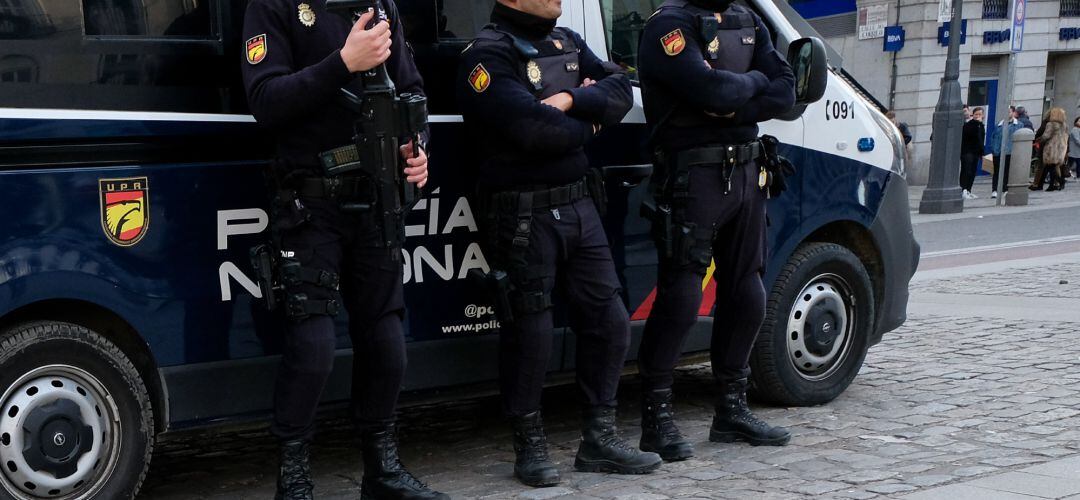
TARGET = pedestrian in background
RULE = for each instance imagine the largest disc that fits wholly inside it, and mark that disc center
(1023, 118)
(1005, 127)
(1074, 147)
(971, 151)
(1055, 142)
(905, 132)
(1036, 156)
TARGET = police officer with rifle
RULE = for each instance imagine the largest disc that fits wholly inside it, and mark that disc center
(709, 75)
(533, 96)
(336, 84)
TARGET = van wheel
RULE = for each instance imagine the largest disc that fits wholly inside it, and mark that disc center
(75, 418)
(818, 318)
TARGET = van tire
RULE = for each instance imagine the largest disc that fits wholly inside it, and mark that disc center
(85, 371)
(794, 362)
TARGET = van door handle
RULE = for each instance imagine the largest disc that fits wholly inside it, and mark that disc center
(627, 175)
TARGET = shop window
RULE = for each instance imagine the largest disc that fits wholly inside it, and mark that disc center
(995, 9)
(1070, 8)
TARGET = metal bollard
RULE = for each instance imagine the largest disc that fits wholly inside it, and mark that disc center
(1020, 168)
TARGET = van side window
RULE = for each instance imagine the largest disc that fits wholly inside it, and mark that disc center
(438, 30)
(624, 20)
(123, 55)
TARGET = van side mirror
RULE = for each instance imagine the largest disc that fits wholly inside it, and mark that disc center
(810, 62)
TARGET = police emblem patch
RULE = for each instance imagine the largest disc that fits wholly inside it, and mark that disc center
(673, 43)
(479, 79)
(256, 49)
(532, 70)
(125, 209)
(307, 16)
(748, 40)
(714, 46)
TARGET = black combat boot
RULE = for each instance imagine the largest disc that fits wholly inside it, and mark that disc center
(385, 478)
(602, 450)
(658, 431)
(532, 466)
(734, 422)
(294, 474)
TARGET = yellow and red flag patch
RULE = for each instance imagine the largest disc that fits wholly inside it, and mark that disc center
(479, 79)
(673, 43)
(125, 212)
(256, 49)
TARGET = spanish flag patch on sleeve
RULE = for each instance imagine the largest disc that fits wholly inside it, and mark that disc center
(673, 43)
(479, 79)
(256, 49)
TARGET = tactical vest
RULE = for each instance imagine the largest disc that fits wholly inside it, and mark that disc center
(727, 43)
(549, 66)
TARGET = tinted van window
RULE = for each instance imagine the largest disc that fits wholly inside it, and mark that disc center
(438, 31)
(129, 55)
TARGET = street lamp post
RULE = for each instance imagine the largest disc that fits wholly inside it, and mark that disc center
(942, 194)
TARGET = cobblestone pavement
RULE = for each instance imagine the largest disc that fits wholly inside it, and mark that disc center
(942, 400)
(1061, 280)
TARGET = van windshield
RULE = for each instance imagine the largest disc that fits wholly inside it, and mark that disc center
(624, 20)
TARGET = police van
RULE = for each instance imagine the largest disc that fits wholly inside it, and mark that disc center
(131, 188)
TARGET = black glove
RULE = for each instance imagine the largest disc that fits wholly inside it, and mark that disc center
(777, 168)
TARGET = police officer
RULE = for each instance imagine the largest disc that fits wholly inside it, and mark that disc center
(296, 58)
(533, 96)
(709, 75)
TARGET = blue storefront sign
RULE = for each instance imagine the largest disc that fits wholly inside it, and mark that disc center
(894, 38)
(1066, 34)
(943, 33)
(992, 37)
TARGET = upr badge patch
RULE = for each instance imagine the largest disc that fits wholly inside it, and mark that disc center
(479, 79)
(125, 209)
(673, 43)
(256, 49)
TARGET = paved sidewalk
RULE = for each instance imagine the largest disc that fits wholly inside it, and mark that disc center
(984, 205)
(983, 404)
(1056, 479)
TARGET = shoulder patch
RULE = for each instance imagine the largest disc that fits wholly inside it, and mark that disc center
(479, 79)
(256, 49)
(673, 42)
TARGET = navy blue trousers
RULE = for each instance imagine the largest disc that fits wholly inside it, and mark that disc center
(739, 251)
(569, 251)
(372, 294)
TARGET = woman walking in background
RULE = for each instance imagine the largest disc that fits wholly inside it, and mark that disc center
(971, 151)
(1002, 159)
(1074, 147)
(1055, 142)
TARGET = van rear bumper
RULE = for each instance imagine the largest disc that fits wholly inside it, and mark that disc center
(895, 240)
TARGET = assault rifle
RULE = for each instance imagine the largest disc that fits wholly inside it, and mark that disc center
(383, 117)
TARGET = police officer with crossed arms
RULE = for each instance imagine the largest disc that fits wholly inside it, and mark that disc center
(533, 96)
(709, 75)
(297, 58)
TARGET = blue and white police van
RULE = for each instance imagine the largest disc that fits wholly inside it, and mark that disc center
(131, 189)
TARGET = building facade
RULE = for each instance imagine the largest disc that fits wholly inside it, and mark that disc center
(909, 80)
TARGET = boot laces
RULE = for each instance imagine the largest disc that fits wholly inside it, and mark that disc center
(665, 421)
(536, 444)
(296, 473)
(610, 439)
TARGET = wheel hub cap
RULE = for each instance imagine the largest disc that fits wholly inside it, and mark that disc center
(819, 327)
(60, 436)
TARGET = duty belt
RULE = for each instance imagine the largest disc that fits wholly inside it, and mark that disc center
(734, 154)
(332, 188)
(552, 197)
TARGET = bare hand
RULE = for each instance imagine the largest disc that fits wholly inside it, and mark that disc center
(562, 101)
(417, 170)
(589, 82)
(366, 48)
